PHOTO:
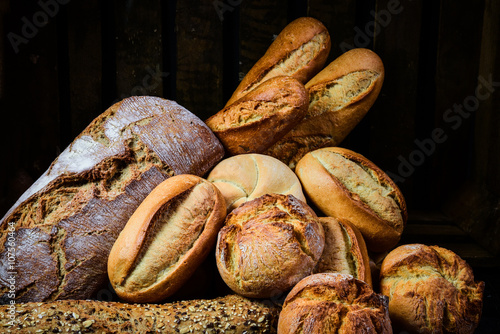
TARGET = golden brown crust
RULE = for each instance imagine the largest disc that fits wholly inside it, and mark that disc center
(340, 96)
(257, 120)
(244, 177)
(334, 303)
(345, 185)
(300, 51)
(166, 239)
(345, 250)
(268, 244)
(430, 290)
(228, 314)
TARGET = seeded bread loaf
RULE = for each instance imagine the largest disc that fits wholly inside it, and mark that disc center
(244, 177)
(228, 314)
(65, 224)
(257, 120)
(344, 184)
(299, 51)
(334, 303)
(431, 290)
(345, 250)
(339, 97)
(269, 244)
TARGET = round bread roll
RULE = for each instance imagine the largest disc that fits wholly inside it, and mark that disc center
(431, 290)
(346, 185)
(166, 239)
(345, 250)
(268, 245)
(334, 303)
(245, 177)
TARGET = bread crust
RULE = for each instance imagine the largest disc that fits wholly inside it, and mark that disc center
(334, 199)
(301, 65)
(345, 250)
(431, 290)
(334, 303)
(268, 244)
(244, 177)
(260, 118)
(339, 97)
(67, 221)
(166, 239)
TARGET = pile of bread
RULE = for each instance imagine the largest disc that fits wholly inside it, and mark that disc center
(305, 233)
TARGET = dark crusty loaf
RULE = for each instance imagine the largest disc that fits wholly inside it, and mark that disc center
(334, 303)
(431, 290)
(229, 314)
(66, 223)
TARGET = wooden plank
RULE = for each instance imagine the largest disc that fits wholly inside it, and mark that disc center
(199, 57)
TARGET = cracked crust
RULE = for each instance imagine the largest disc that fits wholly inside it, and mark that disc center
(431, 290)
(66, 223)
(334, 303)
(268, 244)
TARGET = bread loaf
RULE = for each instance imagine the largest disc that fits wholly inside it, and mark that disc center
(334, 303)
(345, 250)
(339, 97)
(268, 244)
(244, 177)
(228, 314)
(346, 185)
(257, 120)
(431, 290)
(166, 239)
(299, 51)
(65, 224)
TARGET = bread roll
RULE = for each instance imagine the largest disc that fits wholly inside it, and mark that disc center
(345, 185)
(300, 51)
(334, 303)
(257, 120)
(65, 224)
(228, 314)
(268, 244)
(244, 177)
(339, 97)
(345, 250)
(431, 290)
(166, 239)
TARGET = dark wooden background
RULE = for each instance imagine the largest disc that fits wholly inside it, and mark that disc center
(64, 62)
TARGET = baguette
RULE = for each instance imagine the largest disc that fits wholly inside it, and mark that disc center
(166, 239)
(65, 224)
(228, 314)
(339, 97)
(257, 120)
(299, 51)
(345, 185)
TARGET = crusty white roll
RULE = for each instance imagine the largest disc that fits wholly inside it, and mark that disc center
(334, 303)
(166, 239)
(244, 177)
(268, 244)
(431, 290)
(346, 185)
(345, 250)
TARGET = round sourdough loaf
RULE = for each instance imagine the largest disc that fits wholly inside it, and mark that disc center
(257, 120)
(244, 177)
(334, 303)
(166, 239)
(268, 244)
(431, 290)
(339, 97)
(66, 223)
(299, 51)
(346, 185)
(345, 250)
